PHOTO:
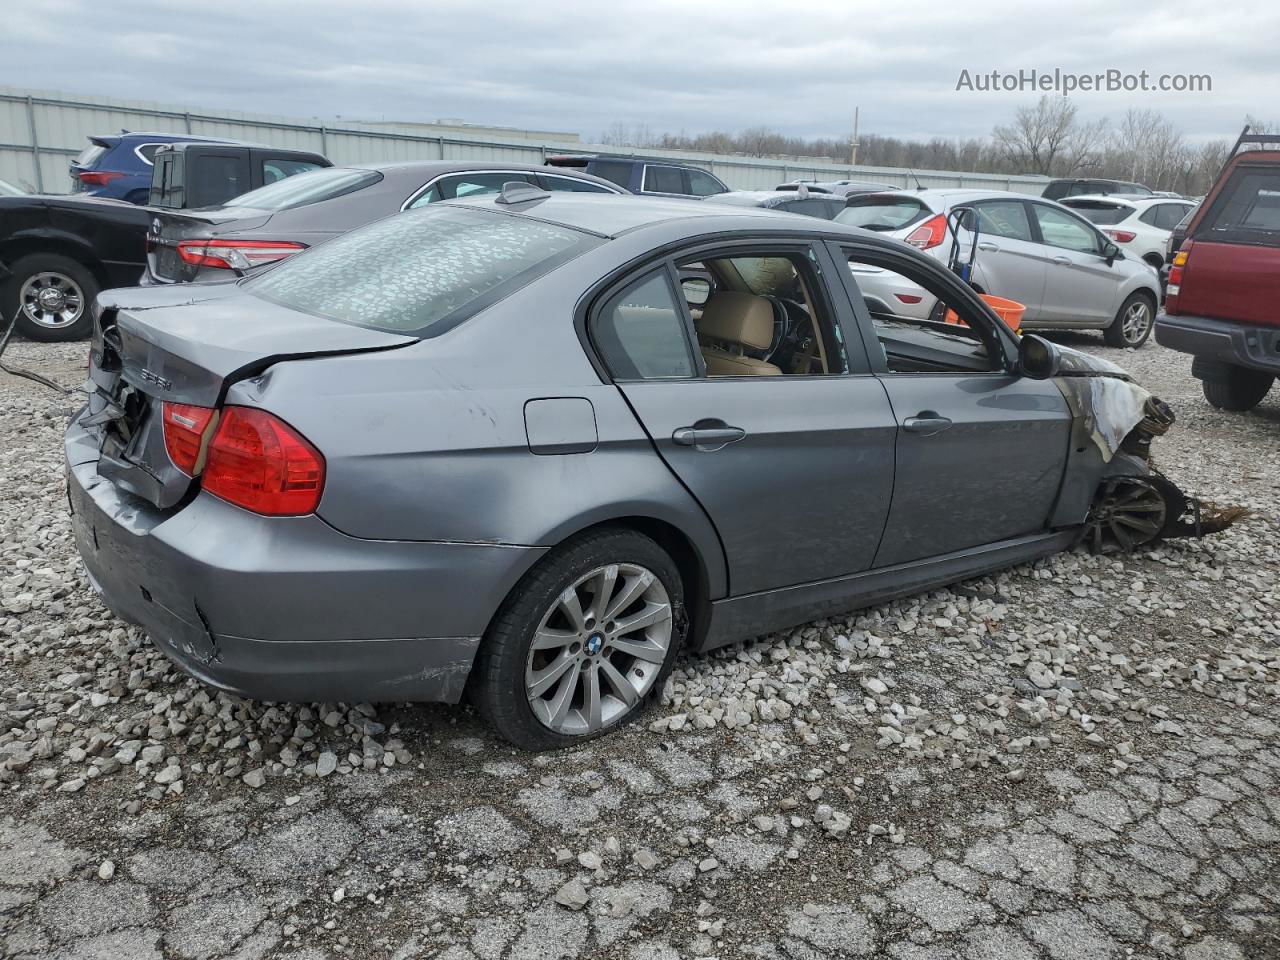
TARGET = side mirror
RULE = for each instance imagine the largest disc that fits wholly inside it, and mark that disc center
(1111, 253)
(1038, 358)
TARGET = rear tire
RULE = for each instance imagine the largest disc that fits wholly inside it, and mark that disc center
(1229, 387)
(540, 698)
(1133, 322)
(52, 297)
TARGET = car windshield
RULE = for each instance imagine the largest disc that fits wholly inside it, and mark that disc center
(422, 270)
(882, 213)
(305, 188)
(9, 190)
(1103, 214)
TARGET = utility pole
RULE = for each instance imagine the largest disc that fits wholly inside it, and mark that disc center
(853, 145)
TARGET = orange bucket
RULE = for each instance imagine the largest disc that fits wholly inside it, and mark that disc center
(1010, 311)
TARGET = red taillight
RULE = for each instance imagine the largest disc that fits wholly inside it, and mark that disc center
(184, 430)
(259, 462)
(908, 297)
(98, 178)
(1120, 236)
(1174, 285)
(929, 234)
(235, 254)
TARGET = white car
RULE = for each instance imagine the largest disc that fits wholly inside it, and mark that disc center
(1138, 225)
(1056, 263)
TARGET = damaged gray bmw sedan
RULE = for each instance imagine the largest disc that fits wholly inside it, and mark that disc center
(527, 448)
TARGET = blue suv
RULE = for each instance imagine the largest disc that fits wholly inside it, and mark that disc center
(119, 167)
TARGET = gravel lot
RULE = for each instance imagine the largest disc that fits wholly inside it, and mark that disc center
(1074, 759)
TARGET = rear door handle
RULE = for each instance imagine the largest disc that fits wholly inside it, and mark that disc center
(708, 438)
(926, 423)
(989, 247)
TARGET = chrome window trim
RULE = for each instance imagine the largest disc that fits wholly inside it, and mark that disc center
(137, 151)
(462, 173)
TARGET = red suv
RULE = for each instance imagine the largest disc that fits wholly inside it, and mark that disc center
(1222, 305)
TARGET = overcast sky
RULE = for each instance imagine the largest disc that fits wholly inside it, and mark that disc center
(693, 66)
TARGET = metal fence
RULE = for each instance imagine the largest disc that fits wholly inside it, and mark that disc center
(41, 132)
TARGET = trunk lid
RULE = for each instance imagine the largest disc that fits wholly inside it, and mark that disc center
(168, 229)
(154, 345)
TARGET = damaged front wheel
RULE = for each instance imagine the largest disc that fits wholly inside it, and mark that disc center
(1128, 512)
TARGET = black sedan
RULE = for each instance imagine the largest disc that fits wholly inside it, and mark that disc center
(284, 218)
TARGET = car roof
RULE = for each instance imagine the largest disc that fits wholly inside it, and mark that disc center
(614, 215)
(948, 194)
(1120, 200)
(164, 135)
(429, 169)
(766, 196)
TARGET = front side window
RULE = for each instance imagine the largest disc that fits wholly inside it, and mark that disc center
(663, 179)
(640, 332)
(1171, 215)
(704, 185)
(421, 271)
(213, 179)
(306, 188)
(1059, 229)
(1004, 218)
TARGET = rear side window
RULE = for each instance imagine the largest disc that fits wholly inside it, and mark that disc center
(298, 191)
(640, 332)
(615, 171)
(882, 213)
(703, 184)
(1004, 218)
(664, 179)
(213, 180)
(166, 181)
(147, 151)
(1103, 214)
(572, 185)
(475, 184)
(1248, 210)
(422, 271)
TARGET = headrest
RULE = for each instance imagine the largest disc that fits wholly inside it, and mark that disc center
(738, 318)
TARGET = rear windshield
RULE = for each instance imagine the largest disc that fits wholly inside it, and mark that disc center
(882, 213)
(304, 188)
(90, 154)
(1248, 210)
(421, 271)
(1103, 214)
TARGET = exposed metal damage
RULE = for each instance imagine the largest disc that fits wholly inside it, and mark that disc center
(1136, 504)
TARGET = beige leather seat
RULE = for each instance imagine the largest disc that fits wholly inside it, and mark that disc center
(731, 323)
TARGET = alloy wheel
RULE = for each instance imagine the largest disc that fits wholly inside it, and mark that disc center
(1136, 322)
(52, 300)
(1128, 513)
(598, 649)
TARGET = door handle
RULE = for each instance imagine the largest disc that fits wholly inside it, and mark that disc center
(1065, 261)
(926, 423)
(989, 247)
(708, 438)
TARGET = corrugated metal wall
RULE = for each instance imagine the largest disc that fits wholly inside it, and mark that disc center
(40, 133)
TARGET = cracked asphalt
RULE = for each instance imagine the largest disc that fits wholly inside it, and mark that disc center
(1077, 759)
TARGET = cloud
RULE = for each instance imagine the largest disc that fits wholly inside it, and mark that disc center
(670, 65)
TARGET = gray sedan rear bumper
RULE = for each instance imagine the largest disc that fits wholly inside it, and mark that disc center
(288, 608)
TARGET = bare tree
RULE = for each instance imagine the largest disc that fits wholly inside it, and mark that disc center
(1039, 134)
